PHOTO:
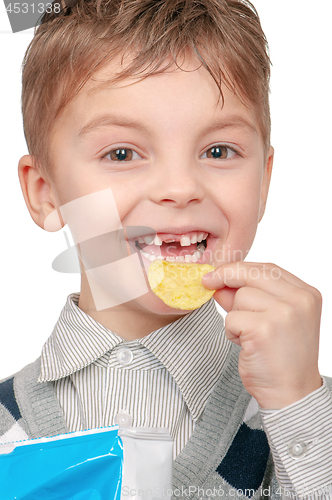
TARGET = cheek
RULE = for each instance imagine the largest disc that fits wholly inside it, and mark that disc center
(246, 210)
(242, 214)
(69, 184)
(239, 198)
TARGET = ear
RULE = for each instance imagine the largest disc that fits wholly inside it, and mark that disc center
(39, 195)
(266, 182)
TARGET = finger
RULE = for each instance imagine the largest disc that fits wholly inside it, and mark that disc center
(243, 299)
(252, 299)
(291, 278)
(266, 277)
(225, 297)
(238, 324)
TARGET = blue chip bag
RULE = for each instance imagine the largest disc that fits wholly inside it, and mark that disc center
(84, 465)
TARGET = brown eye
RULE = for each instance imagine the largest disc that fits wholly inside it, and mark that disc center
(218, 152)
(121, 154)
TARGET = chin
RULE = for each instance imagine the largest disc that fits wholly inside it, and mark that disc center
(153, 304)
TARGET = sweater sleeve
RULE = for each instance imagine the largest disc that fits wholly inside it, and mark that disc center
(11, 428)
(300, 438)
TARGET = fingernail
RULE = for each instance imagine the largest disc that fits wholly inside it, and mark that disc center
(207, 276)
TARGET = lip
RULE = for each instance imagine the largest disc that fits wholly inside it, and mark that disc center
(176, 230)
(181, 230)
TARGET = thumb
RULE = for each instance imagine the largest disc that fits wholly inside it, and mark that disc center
(225, 297)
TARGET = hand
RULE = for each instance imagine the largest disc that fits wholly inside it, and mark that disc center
(275, 317)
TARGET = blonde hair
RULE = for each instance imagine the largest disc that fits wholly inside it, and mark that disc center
(69, 47)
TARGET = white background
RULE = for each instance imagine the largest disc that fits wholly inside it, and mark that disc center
(295, 231)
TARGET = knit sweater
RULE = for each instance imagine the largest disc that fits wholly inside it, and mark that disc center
(228, 454)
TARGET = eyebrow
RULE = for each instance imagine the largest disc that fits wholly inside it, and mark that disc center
(111, 120)
(232, 121)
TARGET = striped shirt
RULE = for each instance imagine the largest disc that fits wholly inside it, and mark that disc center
(161, 380)
(165, 379)
(293, 432)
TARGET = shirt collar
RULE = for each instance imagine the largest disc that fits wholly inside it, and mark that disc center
(76, 341)
(193, 348)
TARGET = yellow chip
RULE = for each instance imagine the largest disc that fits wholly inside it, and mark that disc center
(179, 285)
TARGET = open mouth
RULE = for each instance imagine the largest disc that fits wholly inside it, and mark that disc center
(185, 248)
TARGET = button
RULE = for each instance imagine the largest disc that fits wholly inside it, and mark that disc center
(124, 356)
(297, 448)
(123, 419)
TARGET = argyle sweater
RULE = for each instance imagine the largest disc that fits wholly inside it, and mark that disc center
(228, 454)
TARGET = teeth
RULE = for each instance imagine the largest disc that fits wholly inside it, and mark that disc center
(157, 240)
(185, 241)
(150, 256)
(148, 239)
(189, 259)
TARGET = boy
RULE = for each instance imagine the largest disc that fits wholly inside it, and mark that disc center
(165, 153)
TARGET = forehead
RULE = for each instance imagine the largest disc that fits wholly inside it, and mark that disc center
(187, 93)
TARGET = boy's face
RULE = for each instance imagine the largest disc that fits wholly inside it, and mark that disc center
(174, 158)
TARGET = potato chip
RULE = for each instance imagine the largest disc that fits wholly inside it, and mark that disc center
(179, 285)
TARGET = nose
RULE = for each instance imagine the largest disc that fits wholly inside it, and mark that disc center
(177, 183)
